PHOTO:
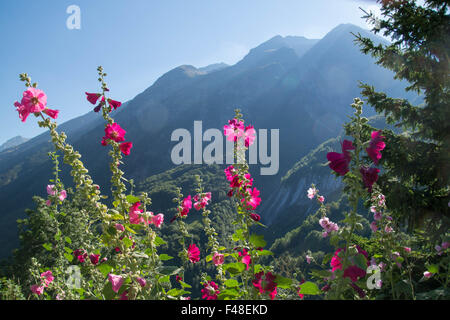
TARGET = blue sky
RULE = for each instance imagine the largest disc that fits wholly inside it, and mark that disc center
(137, 41)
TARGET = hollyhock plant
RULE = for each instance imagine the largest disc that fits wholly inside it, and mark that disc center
(116, 281)
(34, 100)
(339, 161)
(37, 289)
(193, 253)
(210, 290)
(376, 145)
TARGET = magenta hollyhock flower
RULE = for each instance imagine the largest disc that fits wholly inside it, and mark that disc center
(48, 277)
(354, 272)
(193, 253)
(210, 290)
(407, 249)
(115, 132)
(445, 245)
(22, 110)
(37, 289)
(200, 203)
(51, 113)
(249, 136)
(115, 104)
(116, 281)
(321, 199)
(34, 100)
(218, 258)
(94, 258)
(92, 97)
(369, 176)
(234, 130)
(235, 182)
(388, 229)
(265, 283)
(339, 161)
(254, 201)
(246, 258)
(186, 205)
(119, 227)
(336, 262)
(141, 281)
(230, 172)
(255, 217)
(125, 147)
(376, 145)
(178, 278)
(158, 220)
(99, 106)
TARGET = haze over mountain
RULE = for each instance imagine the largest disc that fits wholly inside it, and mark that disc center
(301, 86)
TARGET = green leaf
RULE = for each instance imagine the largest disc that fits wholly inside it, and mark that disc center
(128, 243)
(434, 268)
(130, 230)
(238, 235)
(231, 293)
(159, 241)
(309, 288)
(68, 256)
(47, 246)
(234, 268)
(361, 261)
(170, 270)
(164, 279)
(165, 257)
(68, 250)
(184, 284)
(231, 283)
(105, 269)
(282, 282)
(68, 240)
(132, 199)
(264, 253)
(257, 240)
(321, 273)
(176, 292)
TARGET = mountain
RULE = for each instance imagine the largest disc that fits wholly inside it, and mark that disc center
(13, 142)
(301, 86)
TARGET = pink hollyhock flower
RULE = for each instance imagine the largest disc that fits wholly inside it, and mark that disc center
(115, 104)
(186, 205)
(377, 216)
(255, 217)
(48, 277)
(125, 147)
(265, 283)
(94, 258)
(234, 130)
(92, 97)
(119, 227)
(328, 225)
(254, 201)
(376, 145)
(246, 258)
(308, 259)
(312, 193)
(230, 172)
(336, 262)
(193, 253)
(141, 281)
(321, 199)
(249, 136)
(23, 111)
(135, 214)
(218, 258)
(51, 190)
(116, 281)
(34, 100)
(427, 274)
(201, 202)
(62, 195)
(369, 176)
(407, 249)
(115, 132)
(51, 113)
(48, 203)
(354, 272)
(445, 245)
(158, 220)
(339, 161)
(388, 229)
(210, 290)
(373, 226)
(37, 289)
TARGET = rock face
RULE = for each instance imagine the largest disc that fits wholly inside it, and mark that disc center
(13, 142)
(301, 86)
